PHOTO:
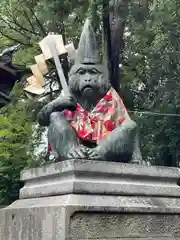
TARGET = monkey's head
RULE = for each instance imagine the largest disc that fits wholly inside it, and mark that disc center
(88, 81)
(88, 78)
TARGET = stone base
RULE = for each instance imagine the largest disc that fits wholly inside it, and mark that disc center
(95, 177)
(82, 216)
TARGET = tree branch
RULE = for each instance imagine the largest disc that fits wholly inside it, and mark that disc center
(28, 19)
(13, 20)
(38, 22)
(15, 40)
(118, 13)
(13, 28)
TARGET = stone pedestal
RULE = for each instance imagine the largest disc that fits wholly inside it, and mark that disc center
(83, 200)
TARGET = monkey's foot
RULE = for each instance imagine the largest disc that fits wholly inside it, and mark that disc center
(83, 152)
(140, 162)
(93, 154)
(78, 153)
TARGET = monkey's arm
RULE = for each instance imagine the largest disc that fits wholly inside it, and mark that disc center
(59, 104)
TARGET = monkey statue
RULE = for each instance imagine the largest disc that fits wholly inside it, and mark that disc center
(93, 123)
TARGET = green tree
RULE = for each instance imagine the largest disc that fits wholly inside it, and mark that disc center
(15, 132)
(151, 68)
(150, 73)
(26, 24)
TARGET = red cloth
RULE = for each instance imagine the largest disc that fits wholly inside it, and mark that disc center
(109, 113)
(49, 147)
(106, 116)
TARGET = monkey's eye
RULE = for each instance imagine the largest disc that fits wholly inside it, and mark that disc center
(81, 71)
(93, 71)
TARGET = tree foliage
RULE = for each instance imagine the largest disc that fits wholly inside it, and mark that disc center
(152, 73)
(149, 67)
(15, 132)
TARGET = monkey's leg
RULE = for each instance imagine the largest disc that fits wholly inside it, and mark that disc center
(61, 136)
(120, 145)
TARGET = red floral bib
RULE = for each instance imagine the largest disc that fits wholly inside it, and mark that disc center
(106, 116)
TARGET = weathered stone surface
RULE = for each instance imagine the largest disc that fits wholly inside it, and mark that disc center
(123, 226)
(96, 177)
(104, 201)
(76, 217)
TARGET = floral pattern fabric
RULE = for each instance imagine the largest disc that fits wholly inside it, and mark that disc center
(106, 116)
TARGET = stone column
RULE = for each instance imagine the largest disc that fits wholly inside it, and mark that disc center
(83, 200)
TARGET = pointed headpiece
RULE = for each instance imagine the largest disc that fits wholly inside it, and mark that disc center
(87, 52)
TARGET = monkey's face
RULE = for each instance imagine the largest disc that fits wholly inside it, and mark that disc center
(88, 81)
